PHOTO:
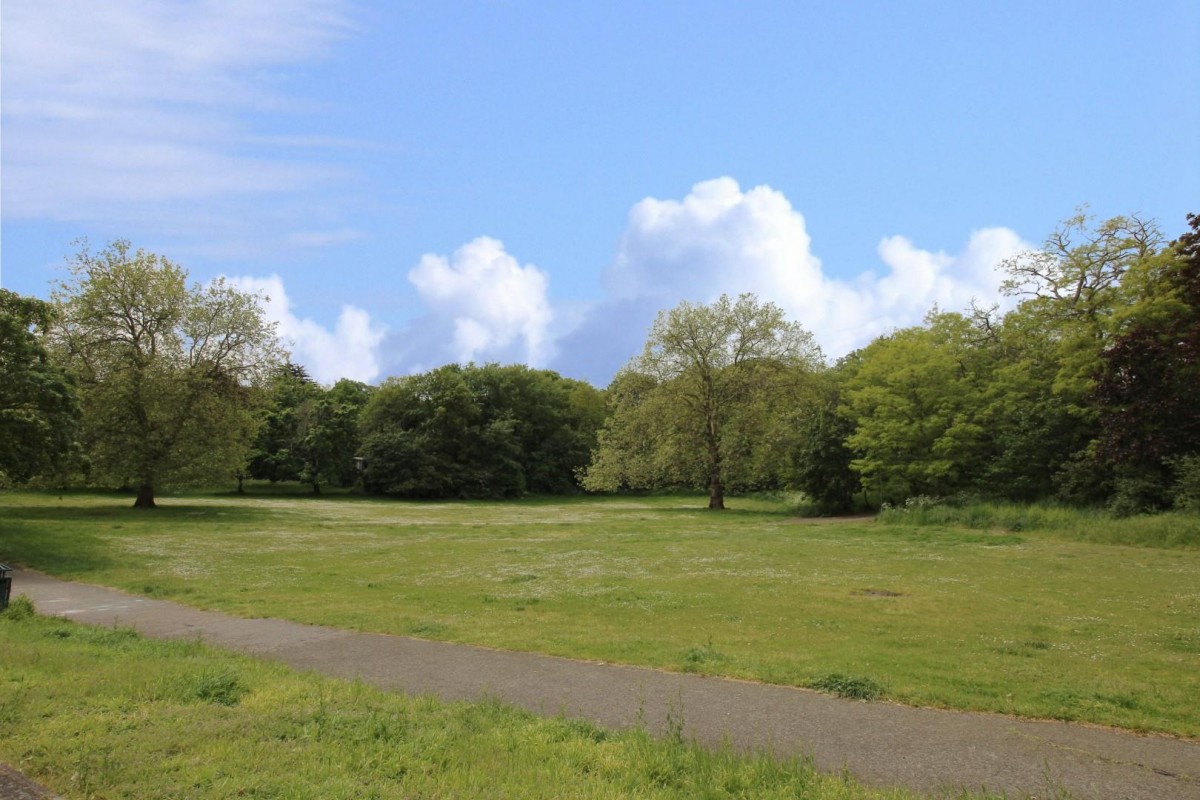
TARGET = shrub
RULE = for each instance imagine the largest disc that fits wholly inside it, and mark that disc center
(1137, 493)
(1185, 494)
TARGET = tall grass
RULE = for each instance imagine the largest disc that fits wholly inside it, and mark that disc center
(1175, 529)
(100, 713)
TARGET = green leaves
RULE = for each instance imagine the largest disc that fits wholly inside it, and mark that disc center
(39, 411)
(703, 405)
(166, 373)
(478, 431)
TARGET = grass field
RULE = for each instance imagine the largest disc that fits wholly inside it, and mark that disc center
(1034, 622)
(100, 713)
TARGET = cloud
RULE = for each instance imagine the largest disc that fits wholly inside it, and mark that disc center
(135, 111)
(350, 350)
(721, 239)
(481, 305)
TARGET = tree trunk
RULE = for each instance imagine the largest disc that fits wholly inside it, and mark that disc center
(716, 495)
(145, 496)
(716, 487)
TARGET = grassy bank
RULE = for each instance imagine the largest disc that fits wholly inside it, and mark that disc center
(1023, 622)
(1176, 529)
(100, 713)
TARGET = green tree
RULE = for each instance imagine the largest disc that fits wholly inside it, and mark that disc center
(1149, 375)
(821, 461)
(706, 368)
(278, 453)
(328, 434)
(165, 372)
(915, 397)
(478, 431)
(1073, 288)
(1034, 436)
(39, 411)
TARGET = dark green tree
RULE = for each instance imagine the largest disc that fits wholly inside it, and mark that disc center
(328, 434)
(478, 431)
(278, 448)
(1147, 384)
(821, 461)
(39, 410)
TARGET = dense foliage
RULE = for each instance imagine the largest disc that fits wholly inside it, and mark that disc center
(1147, 384)
(1084, 392)
(704, 402)
(38, 407)
(478, 431)
(165, 372)
(309, 433)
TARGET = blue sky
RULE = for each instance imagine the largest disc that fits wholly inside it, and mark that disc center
(417, 183)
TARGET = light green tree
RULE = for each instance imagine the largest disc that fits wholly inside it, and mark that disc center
(167, 373)
(703, 393)
(1074, 289)
(916, 397)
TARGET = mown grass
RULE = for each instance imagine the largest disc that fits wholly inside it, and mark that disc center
(1025, 622)
(94, 712)
(1177, 529)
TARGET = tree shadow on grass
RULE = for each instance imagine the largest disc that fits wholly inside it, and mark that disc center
(68, 534)
(55, 552)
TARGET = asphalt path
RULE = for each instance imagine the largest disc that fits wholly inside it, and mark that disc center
(881, 744)
(15, 786)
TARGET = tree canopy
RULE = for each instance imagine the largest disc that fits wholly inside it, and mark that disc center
(166, 372)
(39, 410)
(1084, 392)
(709, 379)
(478, 431)
(1147, 383)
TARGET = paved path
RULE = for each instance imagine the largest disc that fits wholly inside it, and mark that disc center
(15, 786)
(879, 743)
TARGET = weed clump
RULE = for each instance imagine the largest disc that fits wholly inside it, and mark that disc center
(220, 686)
(695, 658)
(20, 608)
(853, 687)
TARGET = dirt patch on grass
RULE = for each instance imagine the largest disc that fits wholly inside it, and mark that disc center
(832, 520)
(876, 593)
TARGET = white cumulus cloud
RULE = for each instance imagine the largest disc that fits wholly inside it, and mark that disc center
(350, 350)
(482, 304)
(721, 239)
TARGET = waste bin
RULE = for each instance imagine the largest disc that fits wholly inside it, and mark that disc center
(5, 586)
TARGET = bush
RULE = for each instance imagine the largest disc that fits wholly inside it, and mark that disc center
(1083, 480)
(1185, 493)
(1137, 493)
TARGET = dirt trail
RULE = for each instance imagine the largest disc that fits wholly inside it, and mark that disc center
(879, 743)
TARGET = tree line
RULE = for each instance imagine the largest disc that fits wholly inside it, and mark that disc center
(1084, 392)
